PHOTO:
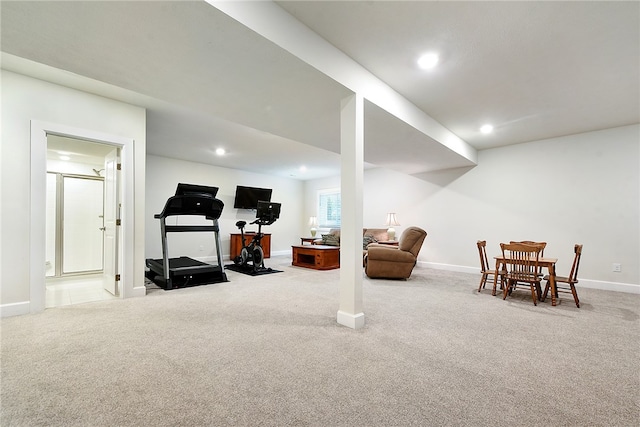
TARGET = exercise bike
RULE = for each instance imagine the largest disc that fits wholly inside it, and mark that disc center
(251, 255)
(252, 252)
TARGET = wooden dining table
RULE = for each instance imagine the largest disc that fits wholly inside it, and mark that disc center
(548, 263)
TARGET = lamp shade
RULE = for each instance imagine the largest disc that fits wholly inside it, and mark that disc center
(313, 222)
(391, 220)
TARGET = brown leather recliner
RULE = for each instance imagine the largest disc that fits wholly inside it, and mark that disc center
(395, 262)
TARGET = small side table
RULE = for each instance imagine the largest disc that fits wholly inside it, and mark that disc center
(389, 242)
(309, 240)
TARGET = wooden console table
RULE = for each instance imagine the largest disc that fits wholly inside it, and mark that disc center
(236, 244)
(318, 257)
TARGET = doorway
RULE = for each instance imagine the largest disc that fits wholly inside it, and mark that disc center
(75, 222)
(125, 230)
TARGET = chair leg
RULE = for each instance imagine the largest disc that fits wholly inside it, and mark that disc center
(506, 290)
(575, 295)
(534, 295)
(483, 281)
(546, 291)
(538, 291)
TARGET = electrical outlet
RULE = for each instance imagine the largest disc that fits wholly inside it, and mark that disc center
(617, 268)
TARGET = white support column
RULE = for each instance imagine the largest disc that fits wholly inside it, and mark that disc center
(352, 165)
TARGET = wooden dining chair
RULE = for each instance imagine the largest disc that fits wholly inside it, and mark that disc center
(521, 260)
(485, 269)
(542, 245)
(567, 284)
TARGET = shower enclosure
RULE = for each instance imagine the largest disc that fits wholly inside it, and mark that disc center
(75, 224)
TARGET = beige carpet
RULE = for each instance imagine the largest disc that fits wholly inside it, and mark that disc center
(266, 351)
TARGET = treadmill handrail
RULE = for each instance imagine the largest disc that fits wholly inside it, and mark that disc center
(179, 228)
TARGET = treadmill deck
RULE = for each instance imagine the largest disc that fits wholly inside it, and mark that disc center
(184, 271)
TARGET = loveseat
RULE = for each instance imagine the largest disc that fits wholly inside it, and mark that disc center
(369, 235)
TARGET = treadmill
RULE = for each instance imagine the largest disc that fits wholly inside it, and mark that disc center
(168, 272)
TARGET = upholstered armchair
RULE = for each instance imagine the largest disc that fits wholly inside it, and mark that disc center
(395, 262)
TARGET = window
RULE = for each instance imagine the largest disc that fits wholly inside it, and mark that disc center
(329, 208)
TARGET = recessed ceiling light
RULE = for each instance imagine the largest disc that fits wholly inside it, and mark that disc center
(428, 61)
(303, 168)
(220, 151)
(65, 158)
(486, 129)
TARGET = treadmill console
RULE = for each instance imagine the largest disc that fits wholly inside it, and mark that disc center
(196, 190)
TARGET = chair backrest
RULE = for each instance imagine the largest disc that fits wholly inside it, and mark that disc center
(531, 242)
(411, 240)
(573, 276)
(522, 260)
(482, 250)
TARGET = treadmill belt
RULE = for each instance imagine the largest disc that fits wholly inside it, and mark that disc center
(184, 262)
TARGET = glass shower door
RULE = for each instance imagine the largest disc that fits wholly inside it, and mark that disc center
(82, 241)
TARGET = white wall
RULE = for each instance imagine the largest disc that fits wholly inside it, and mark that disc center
(578, 189)
(164, 174)
(25, 99)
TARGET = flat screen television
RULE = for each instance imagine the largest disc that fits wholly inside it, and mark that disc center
(196, 190)
(248, 197)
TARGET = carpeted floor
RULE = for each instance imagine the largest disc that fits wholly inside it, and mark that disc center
(267, 351)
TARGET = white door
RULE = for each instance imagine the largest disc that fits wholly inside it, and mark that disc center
(111, 217)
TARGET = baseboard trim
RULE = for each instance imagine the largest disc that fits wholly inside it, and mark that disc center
(353, 321)
(629, 288)
(15, 309)
(608, 286)
(450, 267)
(212, 259)
(139, 291)
(278, 253)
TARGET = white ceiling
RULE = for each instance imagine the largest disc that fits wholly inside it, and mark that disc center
(78, 151)
(534, 69)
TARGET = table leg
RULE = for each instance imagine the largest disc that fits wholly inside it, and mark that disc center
(495, 278)
(552, 281)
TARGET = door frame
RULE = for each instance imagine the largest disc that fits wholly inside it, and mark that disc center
(37, 236)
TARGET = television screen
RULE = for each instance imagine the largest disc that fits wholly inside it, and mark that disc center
(196, 190)
(248, 197)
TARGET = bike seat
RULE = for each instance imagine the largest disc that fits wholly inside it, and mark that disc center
(241, 224)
